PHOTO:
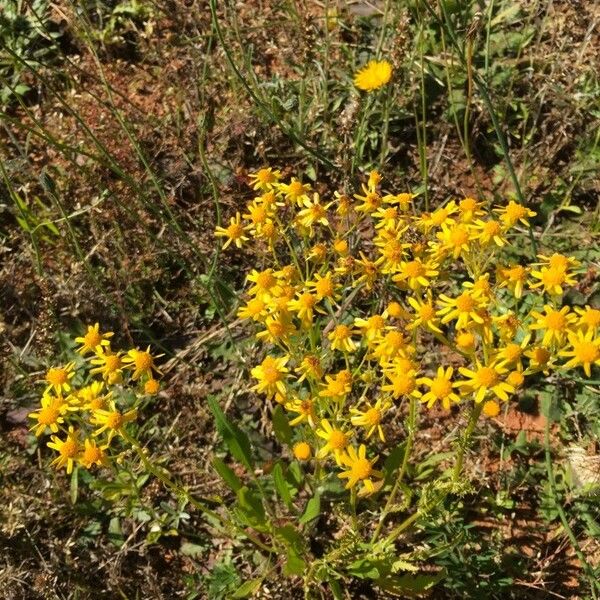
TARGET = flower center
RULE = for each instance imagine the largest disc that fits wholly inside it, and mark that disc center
(57, 376)
(426, 312)
(587, 352)
(92, 454)
(143, 361)
(114, 420)
(324, 287)
(555, 320)
(265, 280)
(373, 416)
(235, 231)
(414, 268)
(48, 415)
(465, 303)
(69, 448)
(337, 439)
(112, 362)
(441, 387)
(92, 339)
(361, 469)
(487, 377)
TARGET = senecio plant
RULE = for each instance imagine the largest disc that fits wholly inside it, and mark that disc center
(87, 403)
(370, 311)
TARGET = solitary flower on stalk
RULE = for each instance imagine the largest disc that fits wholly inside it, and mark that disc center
(373, 76)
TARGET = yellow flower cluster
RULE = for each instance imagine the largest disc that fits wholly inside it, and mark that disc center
(364, 302)
(85, 418)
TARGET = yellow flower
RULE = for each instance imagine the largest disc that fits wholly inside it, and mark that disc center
(371, 417)
(559, 261)
(464, 309)
(367, 271)
(373, 76)
(485, 378)
(112, 420)
(552, 280)
(465, 341)
(589, 318)
(513, 277)
(516, 378)
(278, 329)
(151, 387)
(315, 213)
(512, 353)
(305, 409)
(360, 470)
(110, 365)
(336, 387)
(50, 414)
(93, 454)
(341, 339)
(93, 338)
(336, 441)
(90, 396)
(302, 451)
(265, 284)
(469, 209)
(234, 232)
(370, 201)
(371, 327)
(264, 179)
(323, 286)
(310, 367)
(438, 218)
(440, 388)
(491, 408)
(68, 450)
(304, 305)
(402, 383)
(454, 239)
(513, 213)
(584, 351)
(539, 359)
(489, 232)
(416, 274)
(141, 361)
(392, 344)
(270, 375)
(59, 378)
(255, 309)
(555, 323)
(425, 314)
(296, 192)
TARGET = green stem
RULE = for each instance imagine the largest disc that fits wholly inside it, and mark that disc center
(466, 439)
(182, 492)
(411, 425)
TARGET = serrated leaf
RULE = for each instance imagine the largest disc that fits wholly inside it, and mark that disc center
(236, 440)
(193, 550)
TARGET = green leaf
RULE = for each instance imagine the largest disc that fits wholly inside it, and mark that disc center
(281, 426)
(235, 439)
(227, 475)
(281, 485)
(312, 510)
(193, 550)
(408, 585)
(295, 564)
(250, 504)
(249, 588)
(393, 461)
(365, 568)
